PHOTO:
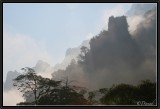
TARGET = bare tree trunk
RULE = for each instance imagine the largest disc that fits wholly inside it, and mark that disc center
(35, 97)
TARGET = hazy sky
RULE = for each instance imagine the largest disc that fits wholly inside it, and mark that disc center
(37, 31)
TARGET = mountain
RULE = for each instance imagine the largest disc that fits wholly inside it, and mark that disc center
(71, 53)
(42, 68)
(116, 56)
(8, 84)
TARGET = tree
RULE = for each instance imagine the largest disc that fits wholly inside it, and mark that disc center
(125, 94)
(27, 83)
(33, 85)
(146, 91)
(72, 94)
(83, 54)
(122, 94)
(84, 60)
(47, 91)
(91, 96)
(50, 94)
(65, 94)
(103, 90)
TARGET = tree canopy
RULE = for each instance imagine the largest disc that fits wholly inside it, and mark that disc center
(50, 92)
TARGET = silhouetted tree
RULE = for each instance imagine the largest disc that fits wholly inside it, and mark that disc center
(83, 55)
(34, 85)
(119, 95)
(28, 82)
(146, 91)
(124, 94)
(103, 90)
(49, 90)
(71, 94)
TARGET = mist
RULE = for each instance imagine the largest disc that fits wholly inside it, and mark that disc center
(12, 97)
(124, 53)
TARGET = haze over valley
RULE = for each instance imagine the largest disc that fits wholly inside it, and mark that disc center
(119, 48)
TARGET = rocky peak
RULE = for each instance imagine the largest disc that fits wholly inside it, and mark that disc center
(117, 24)
(8, 84)
(41, 66)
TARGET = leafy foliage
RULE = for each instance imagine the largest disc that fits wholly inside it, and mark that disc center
(47, 91)
(50, 92)
(28, 83)
(123, 94)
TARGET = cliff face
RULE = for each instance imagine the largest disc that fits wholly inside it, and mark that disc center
(118, 24)
(115, 56)
(115, 46)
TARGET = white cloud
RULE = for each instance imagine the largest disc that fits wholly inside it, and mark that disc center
(133, 22)
(22, 51)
